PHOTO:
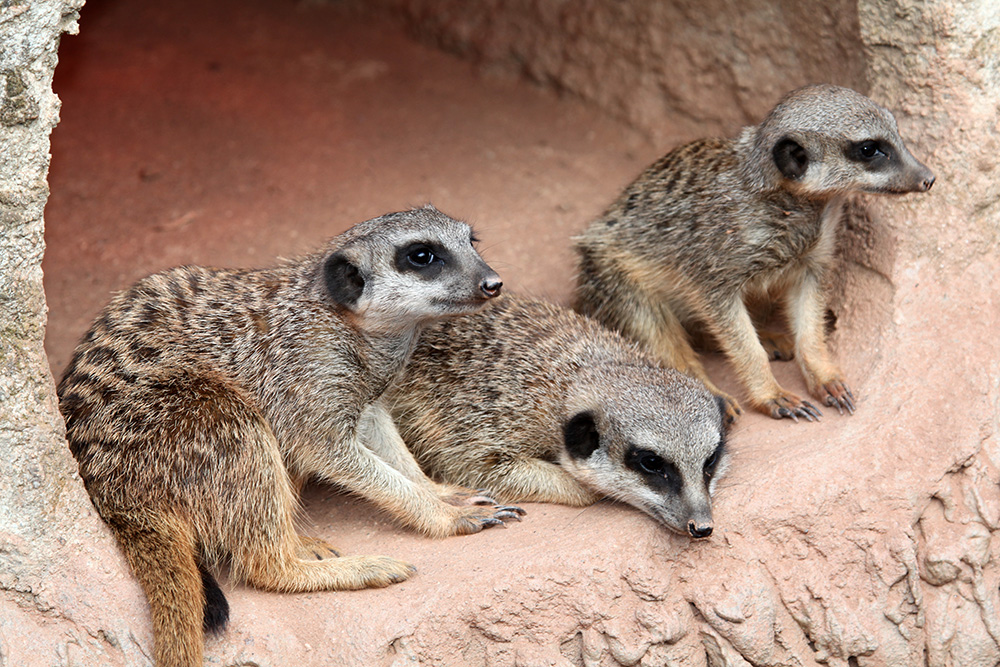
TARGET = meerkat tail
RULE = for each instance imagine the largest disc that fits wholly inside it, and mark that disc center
(216, 612)
(161, 550)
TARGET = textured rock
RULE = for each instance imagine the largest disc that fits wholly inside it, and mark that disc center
(864, 541)
(709, 66)
(52, 546)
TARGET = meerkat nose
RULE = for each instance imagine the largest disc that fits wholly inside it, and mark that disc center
(927, 183)
(491, 287)
(699, 531)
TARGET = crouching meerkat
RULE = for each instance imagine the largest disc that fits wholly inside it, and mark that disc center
(720, 225)
(200, 399)
(536, 403)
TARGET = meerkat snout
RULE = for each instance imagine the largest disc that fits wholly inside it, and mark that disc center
(699, 530)
(491, 286)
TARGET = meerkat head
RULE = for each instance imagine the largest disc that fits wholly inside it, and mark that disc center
(649, 437)
(405, 269)
(825, 140)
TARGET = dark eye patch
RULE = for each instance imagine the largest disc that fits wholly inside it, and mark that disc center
(873, 153)
(426, 259)
(657, 472)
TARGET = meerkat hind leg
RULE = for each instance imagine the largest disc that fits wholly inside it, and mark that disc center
(315, 548)
(771, 322)
(779, 345)
(268, 553)
(246, 509)
(663, 333)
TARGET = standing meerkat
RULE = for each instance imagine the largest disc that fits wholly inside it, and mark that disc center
(201, 399)
(537, 403)
(718, 225)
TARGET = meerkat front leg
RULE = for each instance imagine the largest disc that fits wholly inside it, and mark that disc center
(805, 307)
(731, 325)
(355, 466)
(378, 432)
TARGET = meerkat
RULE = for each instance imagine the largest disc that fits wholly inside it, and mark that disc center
(718, 226)
(201, 399)
(536, 403)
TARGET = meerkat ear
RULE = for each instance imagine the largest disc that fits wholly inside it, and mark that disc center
(790, 158)
(344, 280)
(581, 435)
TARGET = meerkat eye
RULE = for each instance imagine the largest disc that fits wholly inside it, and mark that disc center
(710, 465)
(421, 256)
(658, 472)
(651, 463)
(425, 258)
(869, 149)
(872, 151)
(712, 461)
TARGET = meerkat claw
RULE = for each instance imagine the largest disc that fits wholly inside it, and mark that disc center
(510, 512)
(785, 412)
(792, 408)
(838, 395)
(810, 412)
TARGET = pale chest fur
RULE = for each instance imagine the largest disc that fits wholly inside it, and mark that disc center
(814, 254)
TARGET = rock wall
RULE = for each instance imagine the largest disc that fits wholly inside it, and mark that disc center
(52, 545)
(710, 66)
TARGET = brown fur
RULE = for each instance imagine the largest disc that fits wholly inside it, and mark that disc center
(201, 399)
(720, 230)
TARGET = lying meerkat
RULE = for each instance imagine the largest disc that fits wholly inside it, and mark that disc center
(536, 403)
(720, 224)
(200, 400)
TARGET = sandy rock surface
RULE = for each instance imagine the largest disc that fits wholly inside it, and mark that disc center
(232, 133)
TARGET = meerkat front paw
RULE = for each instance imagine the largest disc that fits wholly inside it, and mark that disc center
(789, 406)
(836, 394)
(475, 518)
(731, 407)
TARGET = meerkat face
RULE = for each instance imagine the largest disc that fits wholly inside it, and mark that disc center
(409, 269)
(652, 438)
(826, 140)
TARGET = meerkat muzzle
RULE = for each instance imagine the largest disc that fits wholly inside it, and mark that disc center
(491, 286)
